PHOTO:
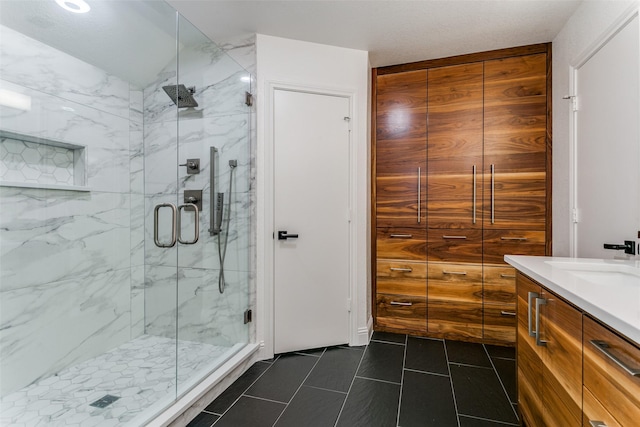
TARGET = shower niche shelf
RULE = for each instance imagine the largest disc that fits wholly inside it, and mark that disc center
(33, 162)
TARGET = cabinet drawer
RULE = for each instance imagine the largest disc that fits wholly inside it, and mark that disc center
(402, 278)
(452, 245)
(498, 243)
(615, 389)
(454, 283)
(592, 410)
(500, 322)
(455, 320)
(401, 243)
(401, 312)
(499, 285)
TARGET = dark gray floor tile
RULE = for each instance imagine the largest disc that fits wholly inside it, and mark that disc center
(467, 353)
(312, 351)
(235, 390)
(427, 400)
(203, 420)
(250, 412)
(335, 369)
(476, 422)
(283, 378)
(389, 337)
(382, 361)
(500, 351)
(370, 404)
(507, 372)
(479, 393)
(426, 355)
(312, 407)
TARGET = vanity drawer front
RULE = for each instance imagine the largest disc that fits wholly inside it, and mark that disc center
(455, 283)
(401, 312)
(453, 245)
(500, 322)
(401, 278)
(617, 390)
(498, 243)
(499, 285)
(401, 243)
(592, 410)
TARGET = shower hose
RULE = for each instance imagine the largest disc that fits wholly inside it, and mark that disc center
(222, 248)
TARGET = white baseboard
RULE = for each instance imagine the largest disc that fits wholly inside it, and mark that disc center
(364, 333)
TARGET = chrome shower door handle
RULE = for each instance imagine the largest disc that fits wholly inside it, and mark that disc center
(419, 191)
(196, 224)
(156, 238)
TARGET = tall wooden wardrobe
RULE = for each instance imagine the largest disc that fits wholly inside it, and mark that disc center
(461, 177)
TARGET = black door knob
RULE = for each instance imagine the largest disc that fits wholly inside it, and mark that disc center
(282, 235)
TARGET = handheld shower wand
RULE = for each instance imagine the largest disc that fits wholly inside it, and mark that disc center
(222, 248)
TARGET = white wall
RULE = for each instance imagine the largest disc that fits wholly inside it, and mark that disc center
(322, 67)
(590, 21)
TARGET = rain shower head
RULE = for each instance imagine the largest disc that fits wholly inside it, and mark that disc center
(181, 95)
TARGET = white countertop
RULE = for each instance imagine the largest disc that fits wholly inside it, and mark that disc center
(609, 290)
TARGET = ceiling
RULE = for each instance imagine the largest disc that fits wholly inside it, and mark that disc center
(393, 31)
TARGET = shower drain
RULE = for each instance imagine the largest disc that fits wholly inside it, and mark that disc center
(105, 401)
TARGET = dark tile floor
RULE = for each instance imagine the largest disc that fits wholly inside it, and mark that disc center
(396, 380)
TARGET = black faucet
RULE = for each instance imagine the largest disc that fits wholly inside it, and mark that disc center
(629, 247)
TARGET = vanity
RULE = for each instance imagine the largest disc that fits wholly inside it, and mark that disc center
(578, 341)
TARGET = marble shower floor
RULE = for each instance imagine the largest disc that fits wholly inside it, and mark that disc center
(142, 372)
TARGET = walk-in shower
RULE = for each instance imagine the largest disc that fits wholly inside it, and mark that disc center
(99, 325)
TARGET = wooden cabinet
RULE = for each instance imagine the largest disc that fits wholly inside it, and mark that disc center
(611, 392)
(549, 357)
(459, 164)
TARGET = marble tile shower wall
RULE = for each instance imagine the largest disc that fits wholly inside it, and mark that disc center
(65, 281)
(220, 120)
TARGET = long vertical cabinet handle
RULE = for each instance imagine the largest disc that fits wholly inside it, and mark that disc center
(493, 194)
(419, 191)
(474, 194)
(539, 302)
(530, 297)
(196, 224)
(156, 238)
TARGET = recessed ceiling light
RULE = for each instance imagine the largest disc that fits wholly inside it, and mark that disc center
(75, 6)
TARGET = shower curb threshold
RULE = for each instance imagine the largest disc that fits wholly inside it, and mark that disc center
(174, 411)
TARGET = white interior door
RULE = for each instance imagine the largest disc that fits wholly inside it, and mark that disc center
(607, 182)
(311, 199)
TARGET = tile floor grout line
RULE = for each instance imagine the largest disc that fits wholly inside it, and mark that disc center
(299, 387)
(426, 372)
(325, 389)
(387, 342)
(487, 419)
(470, 366)
(376, 379)
(502, 358)
(307, 354)
(245, 390)
(265, 399)
(351, 385)
(404, 362)
(504, 389)
(453, 390)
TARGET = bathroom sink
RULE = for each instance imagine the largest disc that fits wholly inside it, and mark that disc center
(600, 273)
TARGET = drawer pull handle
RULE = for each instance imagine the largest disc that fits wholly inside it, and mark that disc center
(419, 191)
(597, 423)
(406, 270)
(508, 313)
(457, 273)
(520, 239)
(403, 304)
(508, 276)
(539, 302)
(401, 236)
(530, 297)
(604, 348)
(454, 237)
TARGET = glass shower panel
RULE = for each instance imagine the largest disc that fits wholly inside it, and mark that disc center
(213, 274)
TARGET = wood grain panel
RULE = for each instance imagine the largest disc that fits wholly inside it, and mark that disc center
(402, 91)
(592, 410)
(409, 318)
(561, 328)
(499, 323)
(617, 391)
(400, 157)
(393, 278)
(518, 77)
(401, 243)
(454, 283)
(457, 245)
(499, 285)
(498, 243)
(529, 357)
(453, 320)
(516, 213)
(397, 200)
(454, 214)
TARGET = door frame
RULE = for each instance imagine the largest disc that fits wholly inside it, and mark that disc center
(586, 55)
(265, 297)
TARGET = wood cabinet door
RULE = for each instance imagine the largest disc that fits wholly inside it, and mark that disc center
(561, 331)
(454, 146)
(529, 355)
(401, 149)
(515, 142)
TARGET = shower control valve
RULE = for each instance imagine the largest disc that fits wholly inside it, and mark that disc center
(193, 166)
